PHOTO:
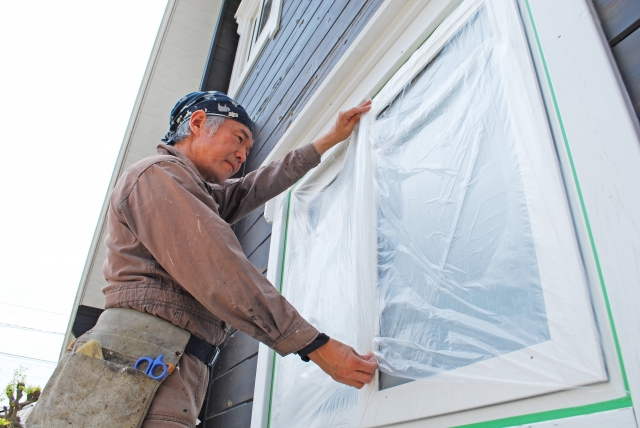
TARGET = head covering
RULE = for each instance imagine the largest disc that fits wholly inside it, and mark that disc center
(213, 103)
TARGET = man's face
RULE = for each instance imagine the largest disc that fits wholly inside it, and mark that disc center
(220, 156)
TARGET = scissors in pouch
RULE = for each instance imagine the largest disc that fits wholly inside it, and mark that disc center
(153, 366)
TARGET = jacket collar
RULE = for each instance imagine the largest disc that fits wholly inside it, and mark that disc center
(164, 149)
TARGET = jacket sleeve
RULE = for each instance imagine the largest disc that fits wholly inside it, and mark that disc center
(239, 197)
(175, 219)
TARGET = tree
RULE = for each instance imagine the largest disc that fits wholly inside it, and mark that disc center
(15, 391)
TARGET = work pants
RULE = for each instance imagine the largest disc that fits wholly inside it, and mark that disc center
(179, 399)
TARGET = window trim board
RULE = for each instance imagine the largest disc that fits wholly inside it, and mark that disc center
(248, 17)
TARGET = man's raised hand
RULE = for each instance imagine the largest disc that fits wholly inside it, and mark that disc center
(342, 128)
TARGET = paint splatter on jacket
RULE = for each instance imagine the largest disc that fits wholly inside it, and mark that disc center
(171, 251)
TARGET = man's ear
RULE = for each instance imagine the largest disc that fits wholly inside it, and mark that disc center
(196, 122)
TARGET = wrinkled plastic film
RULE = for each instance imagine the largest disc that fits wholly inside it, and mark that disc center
(475, 245)
(319, 280)
(457, 266)
(437, 239)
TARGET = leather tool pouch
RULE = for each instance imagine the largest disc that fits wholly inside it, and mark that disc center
(89, 392)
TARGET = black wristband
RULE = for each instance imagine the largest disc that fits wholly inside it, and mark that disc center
(317, 342)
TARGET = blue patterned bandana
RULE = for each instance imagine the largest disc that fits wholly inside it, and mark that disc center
(212, 103)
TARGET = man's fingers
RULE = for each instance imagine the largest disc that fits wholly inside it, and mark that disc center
(365, 363)
(366, 104)
(350, 382)
(360, 356)
(362, 377)
(368, 366)
(352, 121)
(356, 111)
(362, 108)
(352, 377)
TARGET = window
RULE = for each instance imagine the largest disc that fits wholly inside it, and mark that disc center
(258, 21)
(457, 265)
(441, 234)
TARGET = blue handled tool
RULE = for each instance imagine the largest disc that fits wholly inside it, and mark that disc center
(152, 365)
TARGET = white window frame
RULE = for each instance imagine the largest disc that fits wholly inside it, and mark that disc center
(390, 37)
(572, 354)
(250, 45)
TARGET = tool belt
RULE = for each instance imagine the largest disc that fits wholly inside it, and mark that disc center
(92, 392)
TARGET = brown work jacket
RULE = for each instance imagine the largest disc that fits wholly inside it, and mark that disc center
(171, 251)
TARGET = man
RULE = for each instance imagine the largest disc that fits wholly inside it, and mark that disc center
(172, 253)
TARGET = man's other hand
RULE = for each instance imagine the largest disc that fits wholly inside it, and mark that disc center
(344, 364)
(342, 128)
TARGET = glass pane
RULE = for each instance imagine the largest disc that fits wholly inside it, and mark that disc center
(457, 267)
(264, 15)
(254, 37)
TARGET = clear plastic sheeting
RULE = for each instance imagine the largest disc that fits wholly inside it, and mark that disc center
(440, 238)
(457, 266)
(319, 279)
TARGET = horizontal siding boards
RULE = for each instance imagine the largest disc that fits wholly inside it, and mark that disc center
(304, 70)
(259, 232)
(627, 54)
(318, 41)
(223, 56)
(272, 101)
(238, 417)
(325, 67)
(619, 18)
(280, 52)
(236, 349)
(620, 21)
(219, 66)
(243, 225)
(233, 388)
(86, 318)
(260, 257)
(291, 18)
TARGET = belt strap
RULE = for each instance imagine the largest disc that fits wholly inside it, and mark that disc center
(202, 350)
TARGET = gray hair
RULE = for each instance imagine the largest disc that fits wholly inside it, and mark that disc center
(211, 124)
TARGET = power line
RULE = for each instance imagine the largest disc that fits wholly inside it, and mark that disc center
(10, 372)
(28, 376)
(28, 358)
(34, 309)
(29, 367)
(29, 328)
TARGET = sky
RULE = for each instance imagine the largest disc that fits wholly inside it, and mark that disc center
(70, 71)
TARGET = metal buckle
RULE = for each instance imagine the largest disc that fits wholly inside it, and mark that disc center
(215, 357)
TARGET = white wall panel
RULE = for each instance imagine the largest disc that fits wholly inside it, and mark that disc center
(185, 19)
(623, 418)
